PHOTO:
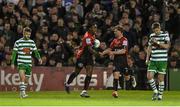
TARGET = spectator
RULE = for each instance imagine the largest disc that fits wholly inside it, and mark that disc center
(61, 29)
(8, 34)
(141, 71)
(79, 8)
(173, 63)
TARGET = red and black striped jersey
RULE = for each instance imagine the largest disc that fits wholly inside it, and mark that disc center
(87, 40)
(118, 44)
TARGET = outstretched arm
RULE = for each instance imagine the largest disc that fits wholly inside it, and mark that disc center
(122, 51)
(107, 51)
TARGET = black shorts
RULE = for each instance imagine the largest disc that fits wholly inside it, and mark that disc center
(81, 62)
(123, 70)
(120, 64)
(120, 69)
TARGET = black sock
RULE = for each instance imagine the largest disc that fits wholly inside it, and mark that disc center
(121, 81)
(115, 84)
(87, 81)
(128, 84)
(71, 77)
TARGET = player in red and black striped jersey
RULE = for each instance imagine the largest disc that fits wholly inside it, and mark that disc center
(118, 53)
(84, 58)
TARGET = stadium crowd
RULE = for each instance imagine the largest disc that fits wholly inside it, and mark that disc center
(57, 29)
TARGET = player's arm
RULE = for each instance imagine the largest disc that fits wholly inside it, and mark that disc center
(105, 52)
(108, 51)
(13, 57)
(148, 53)
(123, 50)
(149, 48)
(92, 50)
(14, 54)
(36, 53)
(167, 43)
(162, 45)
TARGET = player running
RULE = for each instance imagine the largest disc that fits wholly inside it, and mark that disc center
(23, 49)
(84, 59)
(159, 43)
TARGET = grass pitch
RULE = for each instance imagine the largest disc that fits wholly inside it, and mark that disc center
(98, 98)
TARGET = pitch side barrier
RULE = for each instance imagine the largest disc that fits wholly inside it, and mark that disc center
(52, 79)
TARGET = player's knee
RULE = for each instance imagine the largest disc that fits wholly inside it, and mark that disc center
(149, 77)
(127, 77)
(88, 77)
(116, 77)
(75, 73)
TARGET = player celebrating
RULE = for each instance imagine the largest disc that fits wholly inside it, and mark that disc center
(117, 52)
(23, 49)
(159, 44)
(84, 59)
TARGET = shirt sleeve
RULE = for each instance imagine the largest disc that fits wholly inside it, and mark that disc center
(88, 41)
(15, 48)
(125, 43)
(37, 55)
(34, 46)
(14, 53)
(149, 42)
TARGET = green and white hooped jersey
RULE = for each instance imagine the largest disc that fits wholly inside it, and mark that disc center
(24, 50)
(157, 53)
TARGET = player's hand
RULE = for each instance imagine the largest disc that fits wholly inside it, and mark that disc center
(123, 50)
(111, 53)
(154, 41)
(40, 61)
(101, 54)
(147, 61)
(12, 66)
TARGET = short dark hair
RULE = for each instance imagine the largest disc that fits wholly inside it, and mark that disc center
(90, 25)
(155, 25)
(119, 27)
(27, 29)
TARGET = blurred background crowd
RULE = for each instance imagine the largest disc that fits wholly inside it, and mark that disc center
(58, 26)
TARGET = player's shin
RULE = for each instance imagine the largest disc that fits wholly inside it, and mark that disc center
(161, 89)
(26, 82)
(22, 87)
(153, 85)
(115, 84)
(71, 77)
(115, 88)
(87, 82)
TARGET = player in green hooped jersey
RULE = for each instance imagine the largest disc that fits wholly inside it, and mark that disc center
(23, 49)
(157, 56)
